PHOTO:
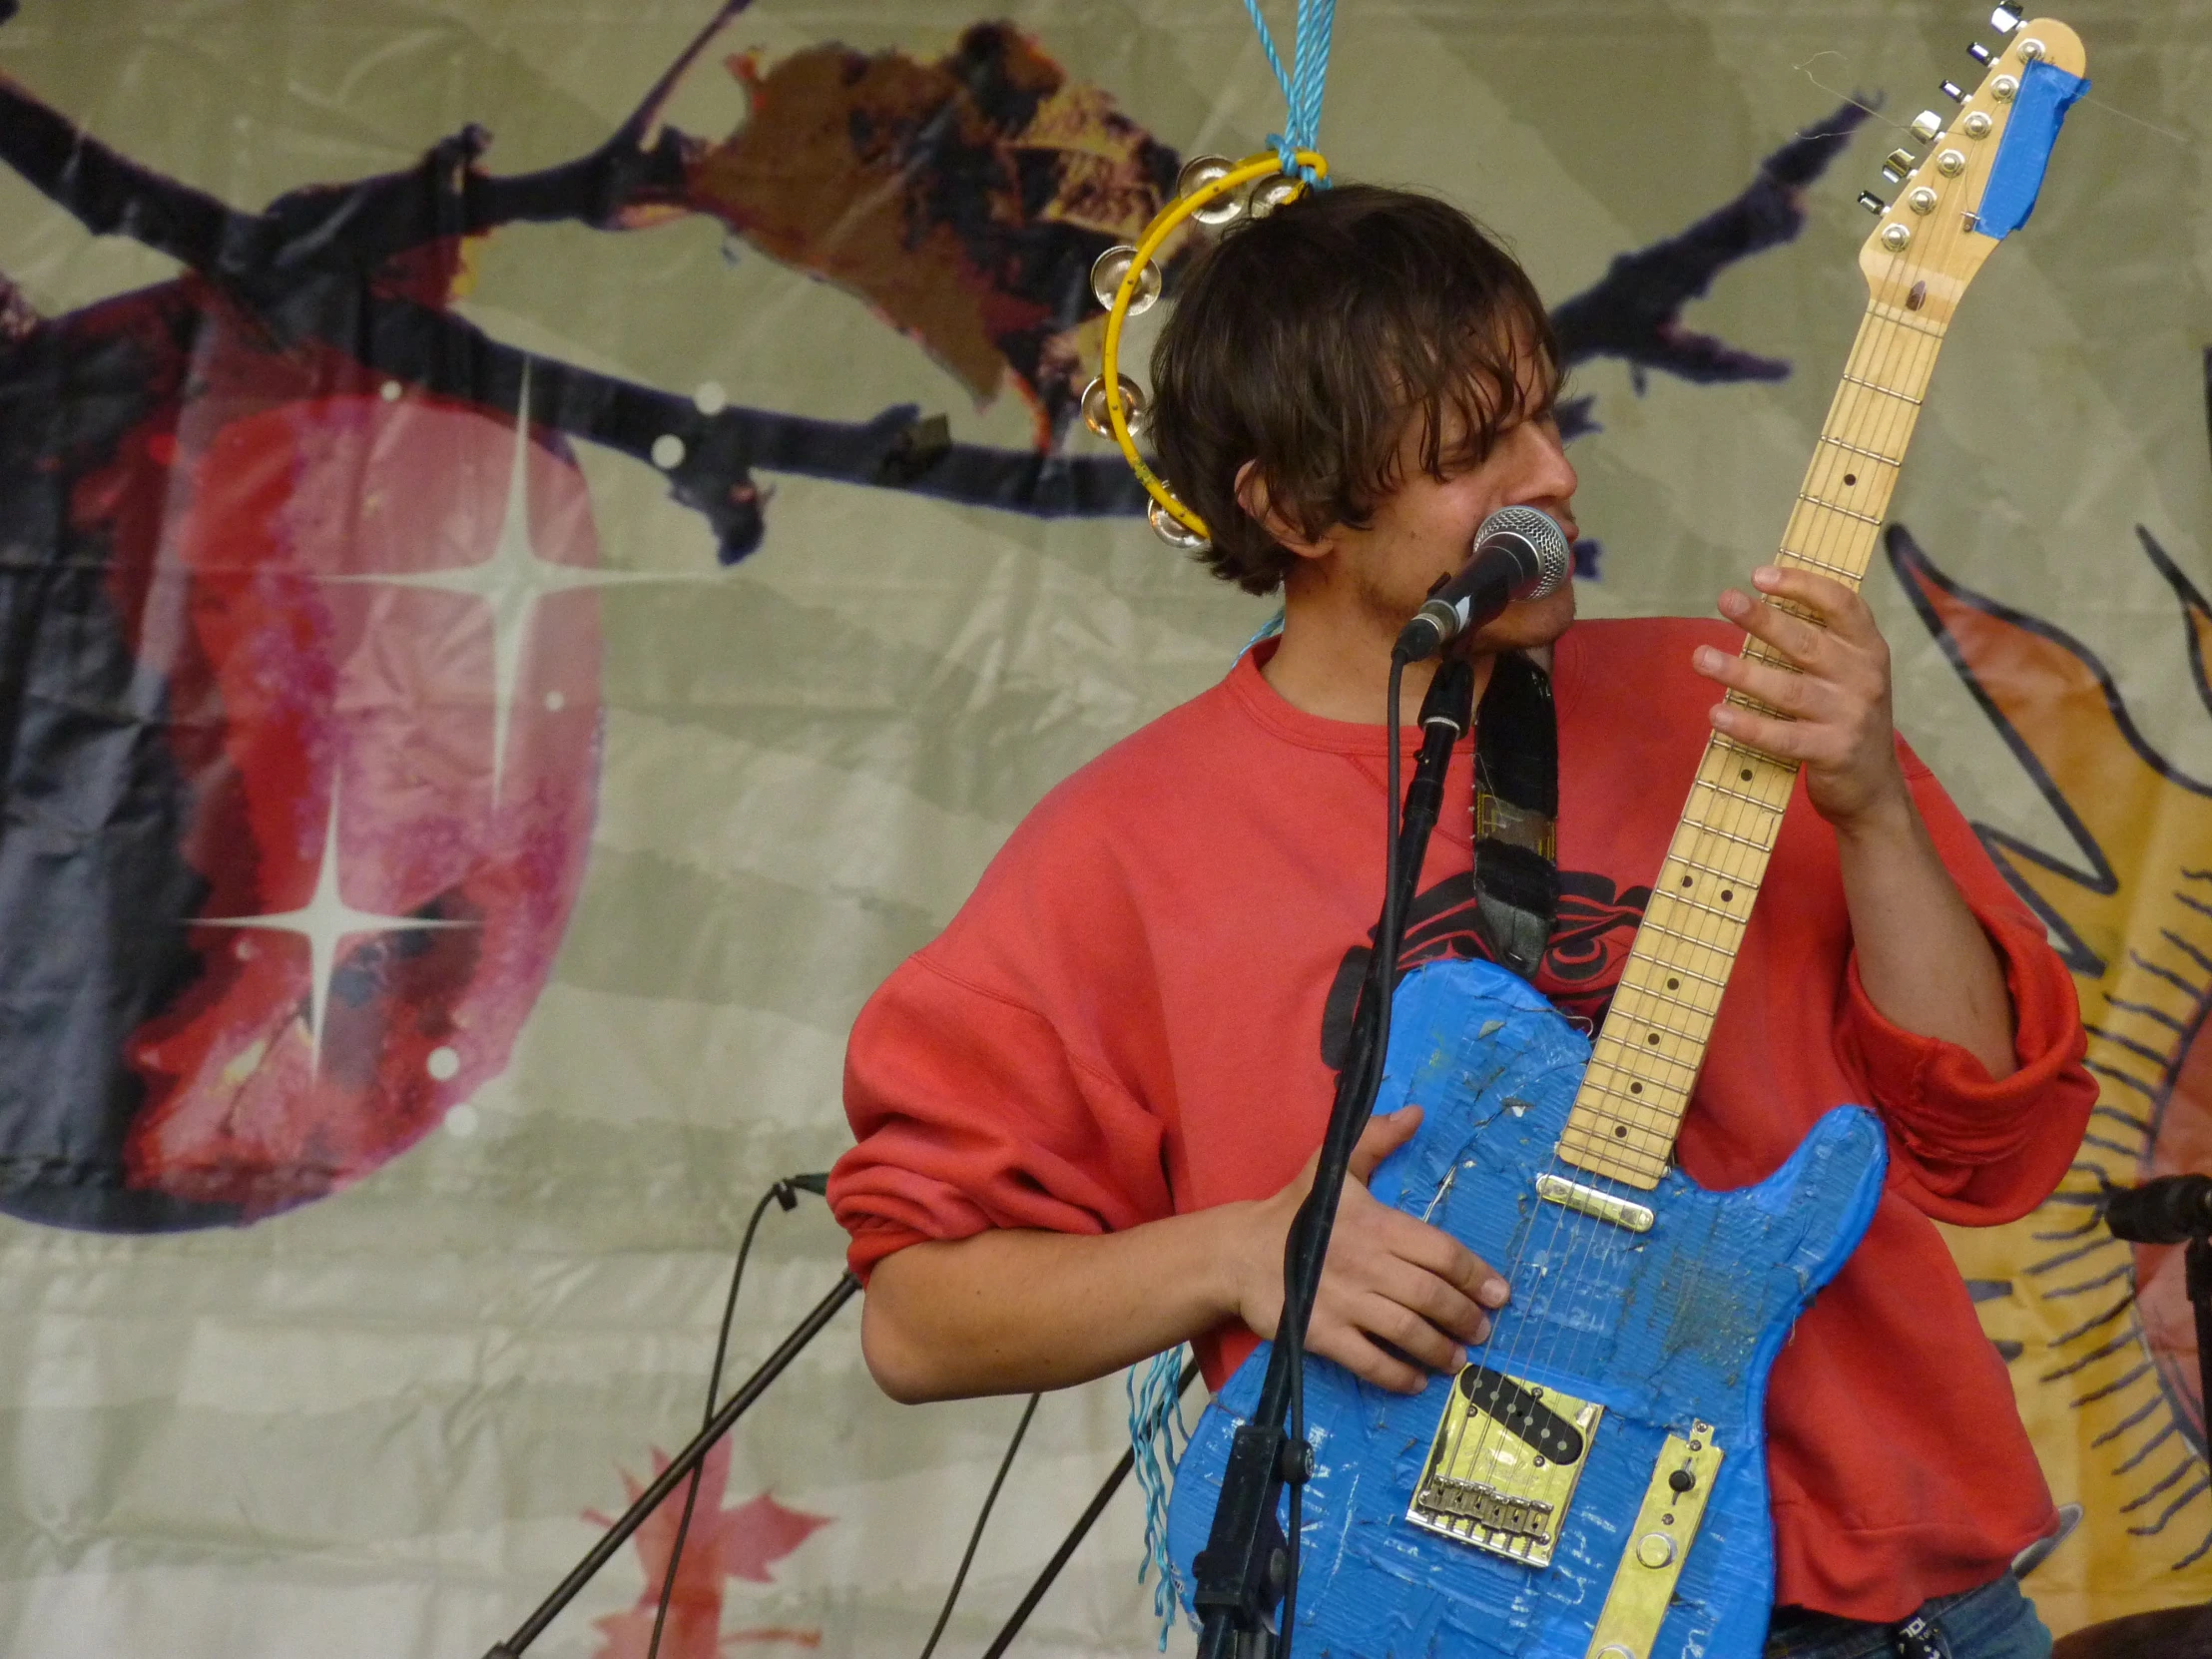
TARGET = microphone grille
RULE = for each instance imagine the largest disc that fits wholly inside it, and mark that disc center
(1554, 558)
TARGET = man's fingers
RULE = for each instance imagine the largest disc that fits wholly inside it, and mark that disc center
(1441, 1254)
(1366, 1359)
(1435, 1300)
(1381, 1137)
(1839, 607)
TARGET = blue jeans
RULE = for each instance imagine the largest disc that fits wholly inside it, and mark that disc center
(1994, 1621)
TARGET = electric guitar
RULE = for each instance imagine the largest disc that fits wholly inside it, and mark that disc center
(1593, 1484)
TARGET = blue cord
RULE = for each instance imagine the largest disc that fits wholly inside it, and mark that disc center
(1304, 86)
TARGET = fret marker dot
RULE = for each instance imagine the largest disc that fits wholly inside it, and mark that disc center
(1727, 893)
(1620, 1131)
(1635, 1088)
(1745, 774)
(1674, 984)
(1652, 1038)
(1850, 477)
(1685, 881)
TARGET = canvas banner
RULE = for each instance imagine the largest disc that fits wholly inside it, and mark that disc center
(542, 550)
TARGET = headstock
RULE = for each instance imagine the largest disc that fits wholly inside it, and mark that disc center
(1976, 178)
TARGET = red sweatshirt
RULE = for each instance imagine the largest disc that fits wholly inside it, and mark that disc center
(1127, 1020)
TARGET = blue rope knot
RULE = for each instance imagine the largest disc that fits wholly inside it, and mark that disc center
(1286, 152)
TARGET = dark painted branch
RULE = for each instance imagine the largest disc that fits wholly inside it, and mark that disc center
(897, 450)
(1635, 312)
(108, 194)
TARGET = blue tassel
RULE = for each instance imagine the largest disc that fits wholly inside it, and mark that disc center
(1158, 1438)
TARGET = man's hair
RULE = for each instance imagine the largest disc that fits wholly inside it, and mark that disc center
(1307, 339)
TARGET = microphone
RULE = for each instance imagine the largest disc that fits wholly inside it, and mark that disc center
(1520, 553)
(2171, 1209)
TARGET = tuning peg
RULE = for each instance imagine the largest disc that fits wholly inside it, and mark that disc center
(1952, 90)
(1978, 52)
(1873, 203)
(1896, 164)
(2005, 20)
(1926, 125)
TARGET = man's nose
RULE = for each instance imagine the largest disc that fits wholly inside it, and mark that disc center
(1544, 472)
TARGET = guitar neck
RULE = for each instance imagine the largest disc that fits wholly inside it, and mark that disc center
(1646, 1058)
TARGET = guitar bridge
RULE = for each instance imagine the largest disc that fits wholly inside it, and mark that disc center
(1502, 1467)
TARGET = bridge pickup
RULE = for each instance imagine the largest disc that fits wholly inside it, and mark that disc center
(1589, 1201)
(1521, 1409)
(1503, 1465)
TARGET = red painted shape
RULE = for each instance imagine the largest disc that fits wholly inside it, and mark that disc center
(741, 1542)
(241, 538)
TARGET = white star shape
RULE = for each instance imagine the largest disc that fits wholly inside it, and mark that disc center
(512, 581)
(325, 921)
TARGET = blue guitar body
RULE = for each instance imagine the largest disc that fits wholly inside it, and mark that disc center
(1662, 1329)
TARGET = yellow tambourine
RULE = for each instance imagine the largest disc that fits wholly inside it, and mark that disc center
(1126, 283)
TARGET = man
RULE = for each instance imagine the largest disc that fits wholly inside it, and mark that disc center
(1081, 1112)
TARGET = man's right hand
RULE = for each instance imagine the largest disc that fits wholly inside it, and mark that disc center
(1398, 1298)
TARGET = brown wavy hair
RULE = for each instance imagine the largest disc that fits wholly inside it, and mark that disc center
(1305, 341)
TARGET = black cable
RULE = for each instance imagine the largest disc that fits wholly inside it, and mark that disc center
(1382, 982)
(990, 1497)
(784, 1193)
(1076, 1534)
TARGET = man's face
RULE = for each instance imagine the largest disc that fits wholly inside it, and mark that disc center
(1426, 528)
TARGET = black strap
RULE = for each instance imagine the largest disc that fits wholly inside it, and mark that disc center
(1516, 810)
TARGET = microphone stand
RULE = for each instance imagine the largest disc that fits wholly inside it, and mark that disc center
(679, 1467)
(1246, 1563)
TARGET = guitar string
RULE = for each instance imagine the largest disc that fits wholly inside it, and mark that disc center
(1700, 925)
(1693, 835)
(1706, 930)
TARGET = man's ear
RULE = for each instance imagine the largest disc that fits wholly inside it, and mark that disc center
(1251, 497)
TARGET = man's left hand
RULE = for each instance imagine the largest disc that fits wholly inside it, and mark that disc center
(1835, 690)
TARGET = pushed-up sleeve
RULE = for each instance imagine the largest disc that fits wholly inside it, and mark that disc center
(970, 1110)
(1968, 1148)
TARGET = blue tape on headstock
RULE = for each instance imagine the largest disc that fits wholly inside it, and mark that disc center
(2046, 94)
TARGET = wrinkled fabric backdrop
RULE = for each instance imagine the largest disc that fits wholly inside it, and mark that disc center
(441, 855)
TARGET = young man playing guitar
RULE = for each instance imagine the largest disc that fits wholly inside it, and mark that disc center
(1085, 1113)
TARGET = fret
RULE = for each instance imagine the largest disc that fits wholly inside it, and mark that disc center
(1659, 929)
(1754, 826)
(1749, 799)
(1709, 909)
(1675, 967)
(1652, 1053)
(1700, 1038)
(1744, 700)
(1790, 607)
(1884, 314)
(1646, 1144)
(1832, 507)
(1870, 454)
(1636, 1104)
(1757, 652)
(1727, 835)
(1602, 1160)
(1749, 754)
(1844, 573)
(1886, 392)
(1710, 869)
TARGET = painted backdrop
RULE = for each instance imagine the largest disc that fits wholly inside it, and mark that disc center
(543, 547)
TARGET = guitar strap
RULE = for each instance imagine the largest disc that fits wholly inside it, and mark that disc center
(1516, 808)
